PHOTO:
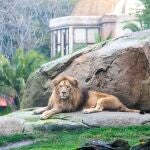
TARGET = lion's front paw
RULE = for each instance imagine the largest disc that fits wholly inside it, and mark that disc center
(36, 112)
(86, 111)
(44, 116)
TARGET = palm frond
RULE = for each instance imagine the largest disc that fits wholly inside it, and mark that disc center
(110, 35)
(99, 38)
(3, 60)
(132, 26)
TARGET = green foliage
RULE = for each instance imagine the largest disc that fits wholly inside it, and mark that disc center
(134, 27)
(44, 50)
(143, 18)
(7, 90)
(14, 72)
(99, 39)
(144, 15)
(15, 138)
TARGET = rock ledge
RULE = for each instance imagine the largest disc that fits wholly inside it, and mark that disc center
(24, 121)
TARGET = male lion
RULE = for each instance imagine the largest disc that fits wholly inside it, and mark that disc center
(69, 96)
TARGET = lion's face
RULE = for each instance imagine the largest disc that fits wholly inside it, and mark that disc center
(64, 86)
(64, 89)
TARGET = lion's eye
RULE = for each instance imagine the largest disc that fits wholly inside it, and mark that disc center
(68, 87)
(60, 86)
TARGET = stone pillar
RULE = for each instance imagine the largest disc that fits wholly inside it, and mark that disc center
(54, 44)
(71, 39)
(108, 26)
(51, 44)
(62, 43)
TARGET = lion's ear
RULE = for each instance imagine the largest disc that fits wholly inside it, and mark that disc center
(74, 82)
(55, 82)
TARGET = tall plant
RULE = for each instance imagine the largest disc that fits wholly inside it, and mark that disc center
(134, 26)
(14, 72)
(99, 38)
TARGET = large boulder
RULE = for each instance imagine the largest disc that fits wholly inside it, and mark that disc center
(120, 67)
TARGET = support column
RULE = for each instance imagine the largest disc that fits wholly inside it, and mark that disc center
(71, 39)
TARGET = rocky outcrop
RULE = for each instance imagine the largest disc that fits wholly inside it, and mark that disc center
(120, 67)
(10, 125)
(24, 121)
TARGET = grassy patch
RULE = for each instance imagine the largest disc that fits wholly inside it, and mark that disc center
(68, 140)
(15, 138)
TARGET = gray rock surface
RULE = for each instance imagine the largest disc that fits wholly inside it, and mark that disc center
(10, 125)
(17, 145)
(24, 121)
(120, 67)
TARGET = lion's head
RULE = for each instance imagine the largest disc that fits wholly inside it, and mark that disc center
(64, 87)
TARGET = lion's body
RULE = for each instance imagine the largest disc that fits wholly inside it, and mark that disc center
(69, 96)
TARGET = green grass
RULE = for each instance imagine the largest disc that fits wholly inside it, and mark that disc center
(67, 140)
(15, 138)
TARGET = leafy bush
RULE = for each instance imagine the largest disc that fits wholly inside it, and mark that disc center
(14, 72)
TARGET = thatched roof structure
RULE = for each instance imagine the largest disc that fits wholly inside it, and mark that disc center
(94, 7)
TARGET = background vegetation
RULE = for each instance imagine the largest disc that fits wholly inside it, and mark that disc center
(24, 26)
(14, 72)
(143, 18)
(25, 23)
(144, 15)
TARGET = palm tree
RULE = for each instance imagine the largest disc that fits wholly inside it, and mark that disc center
(14, 72)
(134, 26)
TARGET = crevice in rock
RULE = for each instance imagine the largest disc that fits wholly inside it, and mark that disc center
(89, 126)
(88, 79)
(145, 122)
(99, 71)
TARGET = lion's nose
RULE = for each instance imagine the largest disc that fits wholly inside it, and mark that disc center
(64, 92)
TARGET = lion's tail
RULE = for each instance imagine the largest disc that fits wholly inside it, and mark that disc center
(131, 110)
